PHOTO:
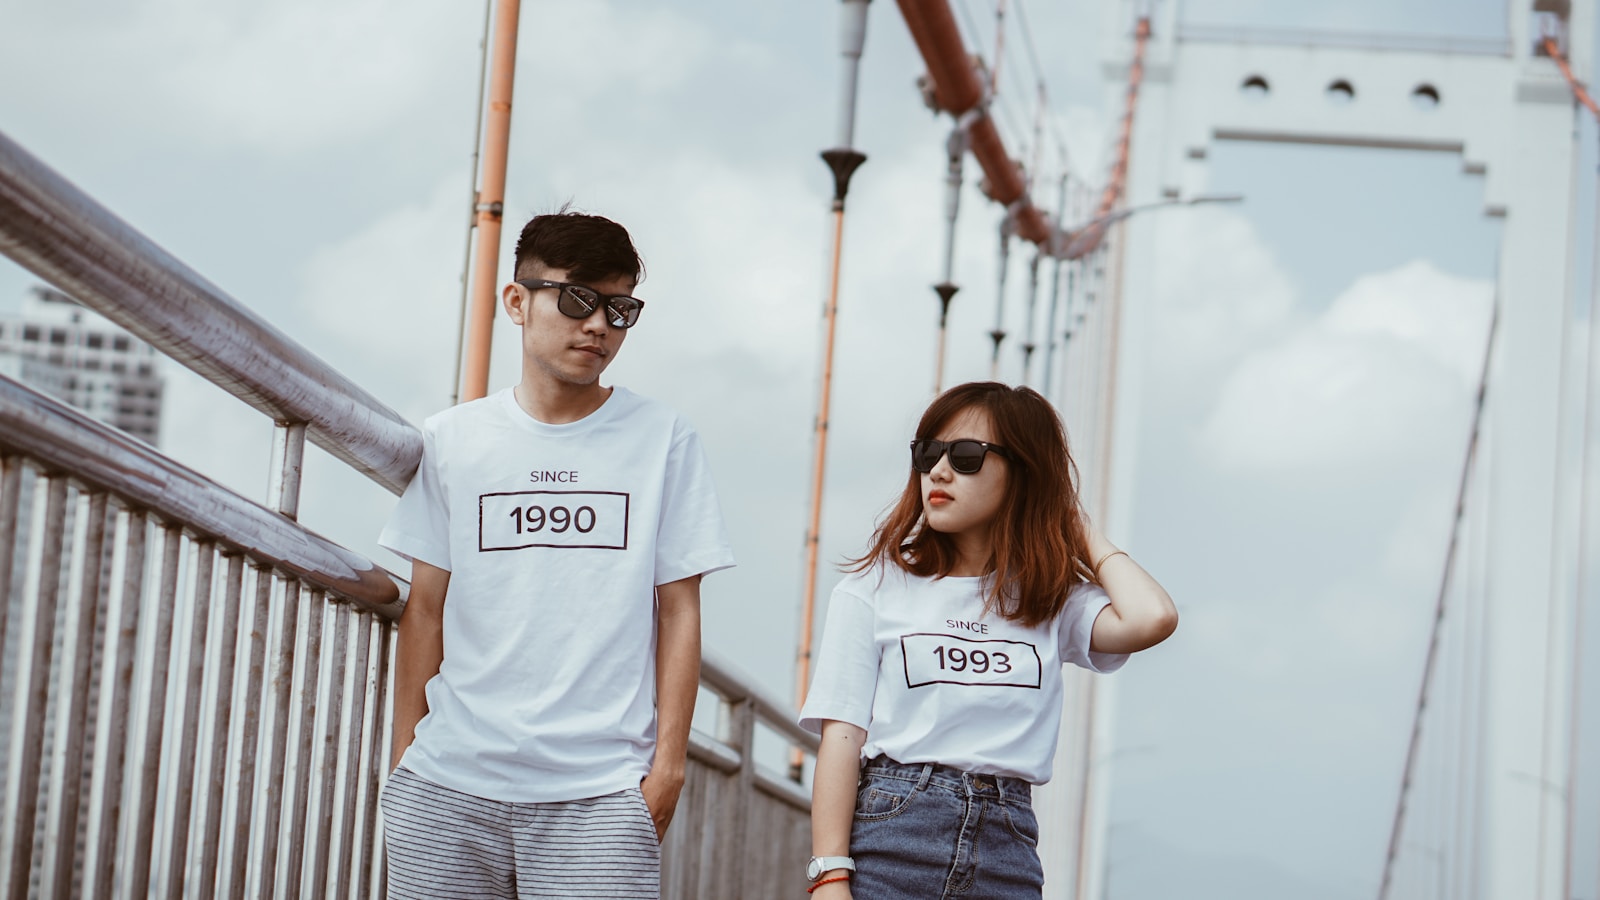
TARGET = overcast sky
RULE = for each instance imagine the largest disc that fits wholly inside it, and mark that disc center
(1306, 406)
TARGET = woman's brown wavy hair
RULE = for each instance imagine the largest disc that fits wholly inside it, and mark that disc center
(1040, 535)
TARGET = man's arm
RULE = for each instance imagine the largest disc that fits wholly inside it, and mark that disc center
(419, 650)
(677, 684)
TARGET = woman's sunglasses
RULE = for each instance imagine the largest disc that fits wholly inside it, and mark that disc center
(579, 302)
(966, 455)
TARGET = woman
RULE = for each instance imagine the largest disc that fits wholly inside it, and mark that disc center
(940, 665)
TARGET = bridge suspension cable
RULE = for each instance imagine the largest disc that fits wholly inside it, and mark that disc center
(1112, 193)
(1026, 29)
(1055, 294)
(954, 85)
(998, 333)
(1431, 660)
(1579, 92)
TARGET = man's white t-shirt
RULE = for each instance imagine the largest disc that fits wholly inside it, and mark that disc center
(555, 537)
(917, 663)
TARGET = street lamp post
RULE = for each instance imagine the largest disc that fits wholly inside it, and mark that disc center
(1075, 243)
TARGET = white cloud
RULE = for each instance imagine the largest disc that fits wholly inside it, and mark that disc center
(731, 252)
(287, 76)
(1217, 290)
(593, 47)
(1440, 315)
(300, 74)
(1383, 375)
(383, 304)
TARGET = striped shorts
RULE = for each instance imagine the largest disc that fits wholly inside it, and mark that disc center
(445, 844)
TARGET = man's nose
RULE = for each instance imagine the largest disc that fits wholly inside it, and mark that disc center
(598, 322)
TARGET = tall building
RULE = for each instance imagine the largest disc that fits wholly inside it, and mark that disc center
(62, 349)
(79, 357)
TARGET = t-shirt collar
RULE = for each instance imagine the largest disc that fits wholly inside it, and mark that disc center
(605, 411)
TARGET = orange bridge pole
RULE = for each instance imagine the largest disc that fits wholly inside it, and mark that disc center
(491, 203)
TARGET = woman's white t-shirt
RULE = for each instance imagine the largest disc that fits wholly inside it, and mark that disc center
(917, 663)
(555, 537)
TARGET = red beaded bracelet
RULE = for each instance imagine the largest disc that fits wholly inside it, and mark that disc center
(827, 881)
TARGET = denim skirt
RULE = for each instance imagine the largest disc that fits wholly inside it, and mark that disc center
(931, 832)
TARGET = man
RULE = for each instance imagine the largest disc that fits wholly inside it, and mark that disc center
(549, 653)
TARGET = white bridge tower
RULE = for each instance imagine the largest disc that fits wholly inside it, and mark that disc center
(1503, 107)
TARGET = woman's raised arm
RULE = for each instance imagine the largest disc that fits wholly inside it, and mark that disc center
(1141, 614)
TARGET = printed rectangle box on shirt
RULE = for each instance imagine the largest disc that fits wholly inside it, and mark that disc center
(947, 659)
(591, 520)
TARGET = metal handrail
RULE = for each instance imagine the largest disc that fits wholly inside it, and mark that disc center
(61, 438)
(64, 236)
(733, 686)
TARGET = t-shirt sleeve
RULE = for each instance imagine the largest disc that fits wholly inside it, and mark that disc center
(419, 527)
(691, 538)
(846, 676)
(1084, 604)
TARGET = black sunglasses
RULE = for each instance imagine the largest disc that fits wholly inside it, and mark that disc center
(966, 455)
(579, 302)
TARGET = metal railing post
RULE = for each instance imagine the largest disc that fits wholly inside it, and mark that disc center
(249, 735)
(326, 773)
(742, 734)
(371, 865)
(189, 734)
(10, 500)
(32, 714)
(66, 802)
(108, 786)
(214, 785)
(278, 740)
(351, 763)
(148, 786)
(299, 778)
(288, 456)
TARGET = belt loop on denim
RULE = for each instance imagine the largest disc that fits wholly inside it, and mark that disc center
(1020, 792)
(927, 772)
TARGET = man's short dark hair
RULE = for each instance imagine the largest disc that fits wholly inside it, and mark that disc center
(589, 248)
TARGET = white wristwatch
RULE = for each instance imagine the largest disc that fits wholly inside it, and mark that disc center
(820, 864)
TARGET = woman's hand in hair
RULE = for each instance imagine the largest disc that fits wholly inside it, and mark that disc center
(1141, 614)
